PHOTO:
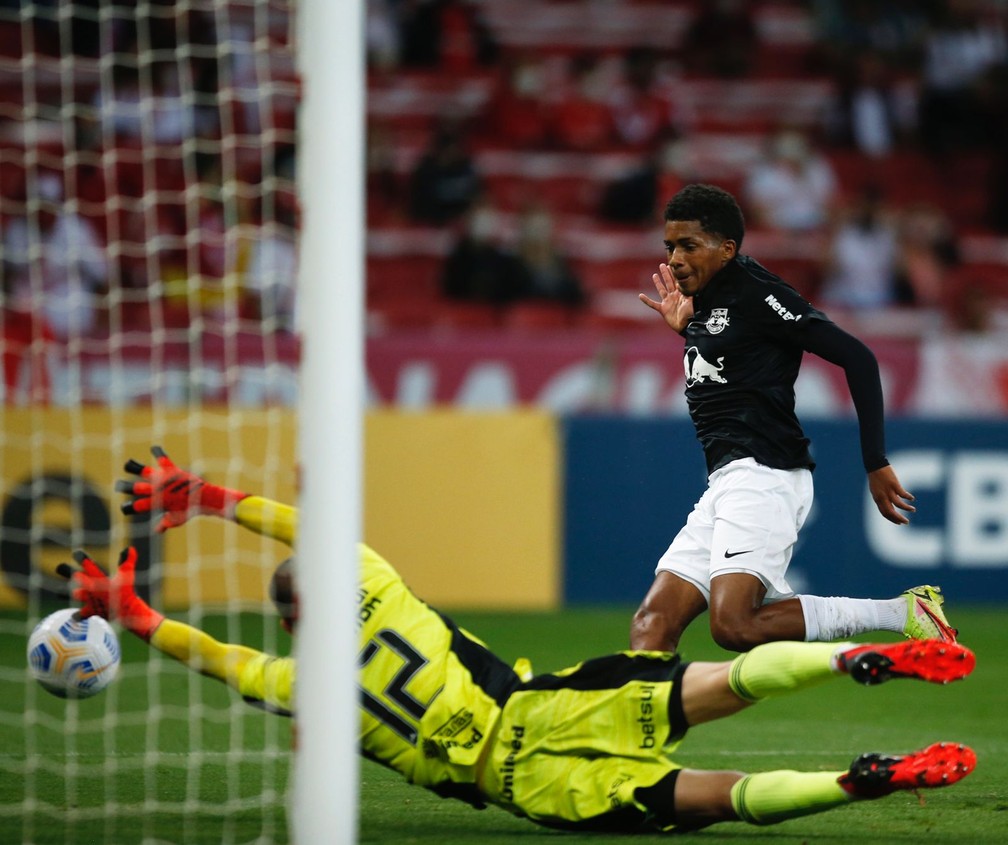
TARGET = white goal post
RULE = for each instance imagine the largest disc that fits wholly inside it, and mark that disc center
(330, 169)
(181, 257)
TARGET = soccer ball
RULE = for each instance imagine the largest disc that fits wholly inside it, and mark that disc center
(73, 657)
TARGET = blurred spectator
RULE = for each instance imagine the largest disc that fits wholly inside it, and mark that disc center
(215, 257)
(118, 105)
(962, 45)
(792, 187)
(636, 196)
(861, 272)
(55, 265)
(846, 28)
(722, 40)
(993, 92)
(382, 35)
(928, 251)
(582, 120)
(445, 182)
(971, 308)
(447, 34)
(270, 271)
(164, 113)
(25, 368)
(176, 114)
(865, 113)
(478, 268)
(516, 115)
(641, 114)
(384, 188)
(543, 271)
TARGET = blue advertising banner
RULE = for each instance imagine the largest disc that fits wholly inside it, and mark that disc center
(630, 483)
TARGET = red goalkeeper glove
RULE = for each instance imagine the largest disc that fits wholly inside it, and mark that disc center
(115, 597)
(176, 492)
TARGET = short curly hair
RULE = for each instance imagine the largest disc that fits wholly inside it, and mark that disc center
(714, 208)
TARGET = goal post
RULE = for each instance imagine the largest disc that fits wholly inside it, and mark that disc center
(153, 160)
(331, 282)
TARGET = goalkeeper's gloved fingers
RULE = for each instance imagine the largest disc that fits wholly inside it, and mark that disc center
(128, 559)
(91, 569)
(142, 490)
(133, 488)
(90, 585)
(134, 467)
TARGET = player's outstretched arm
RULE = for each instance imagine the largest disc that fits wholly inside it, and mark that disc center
(179, 494)
(245, 669)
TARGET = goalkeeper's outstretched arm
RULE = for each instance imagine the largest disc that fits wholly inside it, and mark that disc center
(257, 676)
(180, 494)
(269, 518)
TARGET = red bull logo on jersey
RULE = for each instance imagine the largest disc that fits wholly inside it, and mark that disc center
(718, 321)
(779, 307)
(700, 370)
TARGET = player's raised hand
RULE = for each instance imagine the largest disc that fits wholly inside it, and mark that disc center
(675, 308)
(177, 493)
(111, 597)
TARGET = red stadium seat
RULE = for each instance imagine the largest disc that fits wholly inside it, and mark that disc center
(539, 316)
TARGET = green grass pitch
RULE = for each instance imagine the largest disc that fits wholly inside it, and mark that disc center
(120, 768)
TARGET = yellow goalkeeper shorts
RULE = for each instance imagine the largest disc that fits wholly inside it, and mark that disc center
(575, 748)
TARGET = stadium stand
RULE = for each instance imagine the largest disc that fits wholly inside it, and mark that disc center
(719, 126)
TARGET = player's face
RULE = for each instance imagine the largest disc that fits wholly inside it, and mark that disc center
(694, 255)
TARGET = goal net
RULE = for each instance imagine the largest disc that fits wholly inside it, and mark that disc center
(148, 215)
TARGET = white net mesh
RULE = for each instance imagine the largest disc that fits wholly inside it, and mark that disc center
(148, 218)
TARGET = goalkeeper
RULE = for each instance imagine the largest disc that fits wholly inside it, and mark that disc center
(585, 748)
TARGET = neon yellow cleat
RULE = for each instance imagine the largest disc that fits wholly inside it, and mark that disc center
(925, 619)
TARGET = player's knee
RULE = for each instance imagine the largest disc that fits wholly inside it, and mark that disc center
(734, 634)
(651, 631)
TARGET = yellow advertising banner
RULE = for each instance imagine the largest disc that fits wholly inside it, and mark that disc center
(466, 506)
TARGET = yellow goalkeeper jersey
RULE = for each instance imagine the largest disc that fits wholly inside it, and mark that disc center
(431, 693)
(569, 749)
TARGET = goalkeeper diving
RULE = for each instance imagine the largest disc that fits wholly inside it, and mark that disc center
(587, 748)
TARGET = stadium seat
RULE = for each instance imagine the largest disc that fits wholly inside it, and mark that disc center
(539, 316)
(467, 315)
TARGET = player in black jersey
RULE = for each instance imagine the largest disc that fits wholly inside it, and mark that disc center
(746, 331)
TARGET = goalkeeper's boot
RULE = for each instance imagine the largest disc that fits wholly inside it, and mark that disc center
(935, 661)
(875, 775)
(925, 619)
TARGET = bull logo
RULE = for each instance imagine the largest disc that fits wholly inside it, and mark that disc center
(717, 322)
(699, 369)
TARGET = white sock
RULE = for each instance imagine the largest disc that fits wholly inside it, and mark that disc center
(836, 617)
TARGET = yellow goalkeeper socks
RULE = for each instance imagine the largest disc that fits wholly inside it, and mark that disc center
(770, 797)
(776, 668)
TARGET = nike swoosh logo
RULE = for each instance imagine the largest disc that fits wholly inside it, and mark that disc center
(732, 554)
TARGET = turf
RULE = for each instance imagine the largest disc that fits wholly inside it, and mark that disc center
(122, 767)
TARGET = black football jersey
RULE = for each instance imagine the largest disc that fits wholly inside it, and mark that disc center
(743, 351)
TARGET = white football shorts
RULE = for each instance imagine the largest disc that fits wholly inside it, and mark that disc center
(747, 520)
